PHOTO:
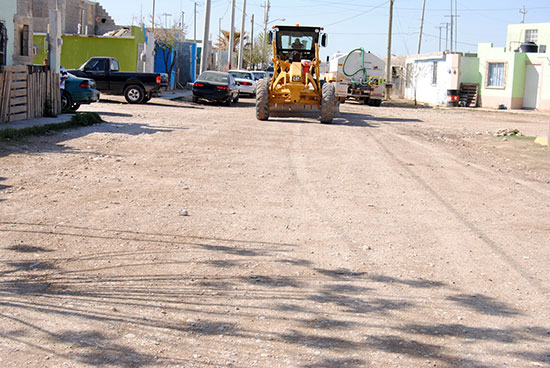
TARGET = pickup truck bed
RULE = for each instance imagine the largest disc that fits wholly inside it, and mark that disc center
(135, 87)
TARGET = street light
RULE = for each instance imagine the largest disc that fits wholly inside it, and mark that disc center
(274, 20)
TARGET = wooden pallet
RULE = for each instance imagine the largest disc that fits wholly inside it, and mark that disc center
(469, 94)
(24, 92)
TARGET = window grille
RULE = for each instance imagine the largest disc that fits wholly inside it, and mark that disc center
(531, 35)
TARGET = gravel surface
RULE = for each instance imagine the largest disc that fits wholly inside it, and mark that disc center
(186, 235)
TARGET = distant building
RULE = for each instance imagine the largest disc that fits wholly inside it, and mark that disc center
(78, 17)
(516, 76)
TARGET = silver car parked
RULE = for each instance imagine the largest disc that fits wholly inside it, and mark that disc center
(246, 83)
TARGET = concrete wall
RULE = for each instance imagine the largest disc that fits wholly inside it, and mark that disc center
(9, 9)
(91, 16)
(77, 49)
(469, 70)
(422, 78)
(516, 35)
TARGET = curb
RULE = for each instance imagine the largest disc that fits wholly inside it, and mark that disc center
(543, 141)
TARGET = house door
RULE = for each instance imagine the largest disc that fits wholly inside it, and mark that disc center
(532, 86)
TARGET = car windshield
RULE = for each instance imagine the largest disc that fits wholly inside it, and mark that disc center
(214, 77)
(242, 75)
(259, 75)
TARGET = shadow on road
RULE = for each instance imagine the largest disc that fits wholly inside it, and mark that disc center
(148, 283)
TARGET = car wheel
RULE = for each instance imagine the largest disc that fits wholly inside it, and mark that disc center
(236, 99)
(228, 101)
(75, 106)
(195, 99)
(134, 94)
(66, 100)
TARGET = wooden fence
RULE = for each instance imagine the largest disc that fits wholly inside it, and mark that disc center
(28, 92)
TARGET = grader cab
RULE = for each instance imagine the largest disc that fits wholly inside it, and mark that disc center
(295, 90)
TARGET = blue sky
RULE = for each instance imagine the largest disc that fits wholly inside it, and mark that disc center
(352, 24)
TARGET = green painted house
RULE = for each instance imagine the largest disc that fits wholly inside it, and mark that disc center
(518, 75)
(76, 49)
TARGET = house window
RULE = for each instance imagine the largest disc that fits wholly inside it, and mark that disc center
(434, 73)
(542, 49)
(24, 41)
(495, 75)
(3, 43)
(531, 35)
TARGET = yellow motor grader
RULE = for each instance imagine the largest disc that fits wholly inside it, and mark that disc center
(295, 90)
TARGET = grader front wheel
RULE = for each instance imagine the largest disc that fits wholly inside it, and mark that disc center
(328, 103)
(262, 99)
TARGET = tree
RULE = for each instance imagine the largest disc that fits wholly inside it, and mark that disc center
(223, 40)
(167, 41)
(261, 53)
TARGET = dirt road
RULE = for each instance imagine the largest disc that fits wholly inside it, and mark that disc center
(187, 235)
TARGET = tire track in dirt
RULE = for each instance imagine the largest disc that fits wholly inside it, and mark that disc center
(490, 243)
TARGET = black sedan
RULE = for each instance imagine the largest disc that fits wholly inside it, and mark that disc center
(216, 86)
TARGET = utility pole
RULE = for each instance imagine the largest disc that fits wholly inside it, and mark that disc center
(252, 41)
(241, 42)
(523, 12)
(231, 36)
(446, 35)
(166, 15)
(456, 25)
(388, 60)
(266, 18)
(153, 19)
(451, 26)
(204, 53)
(219, 44)
(195, 22)
(421, 26)
(440, 28)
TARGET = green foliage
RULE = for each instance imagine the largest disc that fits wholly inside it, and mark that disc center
(260, 58)
(78, 120)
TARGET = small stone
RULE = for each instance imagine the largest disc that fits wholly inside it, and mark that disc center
(184, 213)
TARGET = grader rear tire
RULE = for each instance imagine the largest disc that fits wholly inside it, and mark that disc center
(262, 99)
(328, 103)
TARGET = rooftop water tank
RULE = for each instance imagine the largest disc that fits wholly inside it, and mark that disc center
(529, 47)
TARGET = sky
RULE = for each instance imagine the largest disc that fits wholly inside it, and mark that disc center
(351, 24)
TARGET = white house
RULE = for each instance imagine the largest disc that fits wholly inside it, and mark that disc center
(430, 76)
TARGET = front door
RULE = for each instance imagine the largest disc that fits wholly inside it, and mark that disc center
(532, 86)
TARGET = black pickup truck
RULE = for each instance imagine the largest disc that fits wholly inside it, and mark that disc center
(136, 87)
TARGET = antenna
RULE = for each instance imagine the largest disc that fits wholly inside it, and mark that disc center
(523, 12)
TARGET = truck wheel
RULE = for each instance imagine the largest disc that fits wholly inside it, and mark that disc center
(147, 98)
(367, 101)
(376, 103)
(66, 100)
(262, 99)
(134, 94)
(328, 103)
